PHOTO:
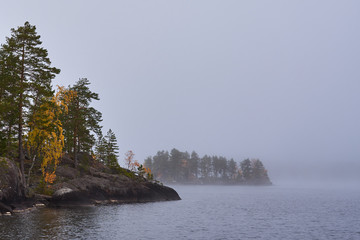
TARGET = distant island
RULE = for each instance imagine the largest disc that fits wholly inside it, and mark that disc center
(185, 168)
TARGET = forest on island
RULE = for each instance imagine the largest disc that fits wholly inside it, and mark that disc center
(183, 167)
(40, 124)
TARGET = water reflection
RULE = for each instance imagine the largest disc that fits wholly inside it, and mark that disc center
(206, 212)
(49, 223)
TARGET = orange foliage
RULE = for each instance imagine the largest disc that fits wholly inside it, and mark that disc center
(147, 170)
(50, 177)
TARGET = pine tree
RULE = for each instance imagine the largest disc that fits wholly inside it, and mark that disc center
(28, 68)
(194, 164)
(112, 149)
(100, 149)
(259, 172)
(246, 169)
(232, 169)
(175, 163)
(107, 149)
(161, 165)
(83, 121)
(8, 107)
(148, 163)
(205, 167)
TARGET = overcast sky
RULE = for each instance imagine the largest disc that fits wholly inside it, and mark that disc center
(275, 80)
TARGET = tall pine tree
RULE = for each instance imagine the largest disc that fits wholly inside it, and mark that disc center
(8, 107)
(82, 121)
(28, 69)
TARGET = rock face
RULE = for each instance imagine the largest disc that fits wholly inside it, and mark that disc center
(11, 187)
(97, 187)
(79, 187)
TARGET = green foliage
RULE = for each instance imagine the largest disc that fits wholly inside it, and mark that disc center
(83, 121)
(182, 167)
(44, 188)
(106, 149)
(232, 170)
(160, 165)
(85, 161)
(26, 76)
(246, 169)
(148, 162)
(112, 149)
(3, 164)
(122, 171)
(141, 170)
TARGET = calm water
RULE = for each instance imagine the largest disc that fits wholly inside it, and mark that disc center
(206, 212)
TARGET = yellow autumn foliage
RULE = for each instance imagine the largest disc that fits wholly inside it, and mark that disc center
(46, 139)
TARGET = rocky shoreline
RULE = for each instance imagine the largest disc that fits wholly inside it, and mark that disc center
(74, 187)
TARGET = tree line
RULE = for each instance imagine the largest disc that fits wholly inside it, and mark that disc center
(38, 124)
(183, 167)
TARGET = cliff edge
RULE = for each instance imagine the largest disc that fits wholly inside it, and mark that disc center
(88, 184)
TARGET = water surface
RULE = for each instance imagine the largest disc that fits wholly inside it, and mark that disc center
(205, 212)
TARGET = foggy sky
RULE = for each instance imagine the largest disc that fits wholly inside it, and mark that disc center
(275, 80)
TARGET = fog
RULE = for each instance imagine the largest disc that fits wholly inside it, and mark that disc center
(274, 80)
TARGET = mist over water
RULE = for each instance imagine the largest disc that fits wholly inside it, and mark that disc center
(276, 80)
(326, 174)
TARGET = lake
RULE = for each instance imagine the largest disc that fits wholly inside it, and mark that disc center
(205, 212)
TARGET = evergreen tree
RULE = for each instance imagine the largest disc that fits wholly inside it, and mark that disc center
(175, 163)
(219, 166)
(107, 150)
(194, 164)
(232, 169)
(26, 65)
(259, 172)
(161, 165)
(112, 149)
(100, 149)
(8, 107)
(83, 121)
(148, 163)
(205, 167)
(246, 169)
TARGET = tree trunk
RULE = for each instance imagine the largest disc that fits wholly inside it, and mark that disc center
(32, 165)
(8, 145)
(20, 130)
(75, 148)
(75, 140)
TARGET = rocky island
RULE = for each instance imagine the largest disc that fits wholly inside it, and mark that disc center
(91, 185)
(53, 151)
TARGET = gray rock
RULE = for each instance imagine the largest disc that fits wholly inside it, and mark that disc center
(95, 185)
(67, 172)
(11, 184)
(98, 187)
(62, 191)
